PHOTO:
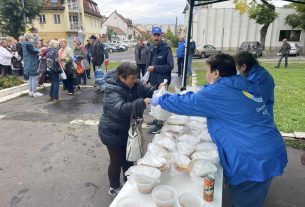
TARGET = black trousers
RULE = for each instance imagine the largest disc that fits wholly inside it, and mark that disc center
(68, 83)
(117, 162)
(141, 70)
(7, 70)
(286, 60)
(180, 65)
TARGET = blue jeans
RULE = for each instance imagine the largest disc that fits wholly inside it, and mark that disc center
(54, 85)
(189, 66)
(33, 83)
(249, 194)
(81, 77)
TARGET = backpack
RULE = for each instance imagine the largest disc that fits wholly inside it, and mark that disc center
(79, 69)
(16, 63)
(52, 61)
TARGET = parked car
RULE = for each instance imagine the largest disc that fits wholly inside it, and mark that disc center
(111, 48)
(121, 48)
(295, 49)
(204, 51)
(120, 43)
(255, 48)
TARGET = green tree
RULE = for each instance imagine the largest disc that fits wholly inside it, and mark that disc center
(297, 20)
(109, 33)
(12, 15)
(262, 12)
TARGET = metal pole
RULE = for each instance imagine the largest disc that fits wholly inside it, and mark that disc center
(24, 18)
(187, 52)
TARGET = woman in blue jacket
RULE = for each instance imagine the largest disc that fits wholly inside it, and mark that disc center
(248, 66)
(251, 149)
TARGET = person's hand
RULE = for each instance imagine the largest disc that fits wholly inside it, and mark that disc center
(151, 68)
(155, 101)
(303, 158)
(147, 101)
(163, 85)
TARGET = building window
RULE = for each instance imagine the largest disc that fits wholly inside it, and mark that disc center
(290, 35)
(57, 19)
(74, 23)
(42, 19)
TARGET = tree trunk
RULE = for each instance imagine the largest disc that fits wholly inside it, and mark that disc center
(263, 32)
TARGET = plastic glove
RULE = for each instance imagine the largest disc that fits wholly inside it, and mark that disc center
(155, 101)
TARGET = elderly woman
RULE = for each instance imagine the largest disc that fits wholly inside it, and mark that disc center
(251, 148)
(31, 62)
(5, 58)
(121, 92)
(52, 62)
(66, 62)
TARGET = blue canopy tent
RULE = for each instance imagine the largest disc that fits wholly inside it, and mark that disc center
(193, 4)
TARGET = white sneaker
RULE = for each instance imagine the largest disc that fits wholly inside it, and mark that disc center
(30, 93)
(37, 94)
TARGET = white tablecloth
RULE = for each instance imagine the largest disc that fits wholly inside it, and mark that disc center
(181, 183)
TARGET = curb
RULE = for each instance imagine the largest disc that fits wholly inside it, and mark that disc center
(292, 135)
(16, 91)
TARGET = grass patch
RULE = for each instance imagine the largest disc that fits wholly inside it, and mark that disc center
(113, 64)
(297, 144)
(289, 108)
(174, 50)
(9, 81)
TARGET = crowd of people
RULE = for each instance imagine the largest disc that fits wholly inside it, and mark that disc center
(52, 61)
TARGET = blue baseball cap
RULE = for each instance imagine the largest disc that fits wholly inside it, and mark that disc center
(156, 30)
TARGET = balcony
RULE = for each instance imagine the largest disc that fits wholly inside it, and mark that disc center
(73, 7)
(74, 27)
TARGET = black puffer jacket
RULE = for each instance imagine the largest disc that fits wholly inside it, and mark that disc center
(118, 99)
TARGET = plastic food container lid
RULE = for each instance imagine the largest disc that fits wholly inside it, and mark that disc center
(130, 201)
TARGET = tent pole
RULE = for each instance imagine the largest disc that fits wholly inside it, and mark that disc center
(187, 51)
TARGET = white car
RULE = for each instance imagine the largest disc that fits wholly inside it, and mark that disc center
(295, 49)
(120, 43)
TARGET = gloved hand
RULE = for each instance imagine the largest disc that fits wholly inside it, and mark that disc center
(155, 101)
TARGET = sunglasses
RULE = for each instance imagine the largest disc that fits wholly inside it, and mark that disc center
(157, 34)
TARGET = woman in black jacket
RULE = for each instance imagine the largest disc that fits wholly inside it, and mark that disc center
(121, 91)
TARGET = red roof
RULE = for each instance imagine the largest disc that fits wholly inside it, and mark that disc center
(48, 5)
(91, 8)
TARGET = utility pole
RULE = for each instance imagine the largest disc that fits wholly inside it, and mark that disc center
(24, 18)
(176, 27)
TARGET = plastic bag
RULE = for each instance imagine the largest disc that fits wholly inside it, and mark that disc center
(180, 164)
(177, 120)
(145, 78)
(164, 141)
(185, 148)
(146, 171)
(205, 136)
(157, 150)
(206, 147)
(199, 120)
(173, 129)
(192, 140)
(201, 168)
(195, 128)
(211, 155)
(156, 111)
(153, 161)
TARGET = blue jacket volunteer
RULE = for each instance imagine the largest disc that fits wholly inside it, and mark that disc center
(249, 67)
(252, 150)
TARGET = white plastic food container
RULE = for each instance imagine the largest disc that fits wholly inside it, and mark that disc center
(164, 196)
(190, 200)
(130, 201)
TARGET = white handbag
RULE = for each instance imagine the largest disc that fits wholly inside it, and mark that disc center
(134, 149)
(63, 75)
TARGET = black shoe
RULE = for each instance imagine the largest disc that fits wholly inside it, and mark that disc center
(152, 123)
(156, 130)
(114, 191)
(89, 77)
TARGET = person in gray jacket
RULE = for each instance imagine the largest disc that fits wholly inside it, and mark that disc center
(140, 57)
(285, 49)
